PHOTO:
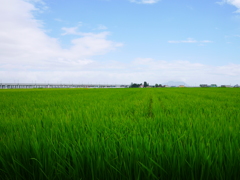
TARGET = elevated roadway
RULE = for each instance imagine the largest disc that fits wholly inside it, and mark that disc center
(50, 85)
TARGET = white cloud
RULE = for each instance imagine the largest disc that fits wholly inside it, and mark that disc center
(189, 40)
(75, 30)
(206, 41)
(102, 27)
(138, 70)
(159, 71)
(235, 3)
(39, 5)
(70, 30)
(145, 1)
(24, 43)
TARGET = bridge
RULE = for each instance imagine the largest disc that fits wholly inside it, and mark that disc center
(50, 85)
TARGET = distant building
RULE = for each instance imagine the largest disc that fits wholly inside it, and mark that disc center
(204, 85)
(181, 86)
(226, 86)
(213, 85)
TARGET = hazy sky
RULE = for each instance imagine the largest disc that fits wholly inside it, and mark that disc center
(120, 41)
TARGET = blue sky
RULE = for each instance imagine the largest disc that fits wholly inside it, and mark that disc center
(120, 41)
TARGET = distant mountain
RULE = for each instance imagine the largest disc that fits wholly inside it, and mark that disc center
(175, 83)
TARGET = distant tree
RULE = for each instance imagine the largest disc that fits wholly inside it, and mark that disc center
(160, 85)
(145, 84)
(135, 85)
(156, 85)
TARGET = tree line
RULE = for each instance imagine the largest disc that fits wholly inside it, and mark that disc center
(145, 84)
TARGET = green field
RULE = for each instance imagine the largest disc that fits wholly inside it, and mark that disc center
(155, 133)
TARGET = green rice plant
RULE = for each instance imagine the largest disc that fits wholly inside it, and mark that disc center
(159, 133)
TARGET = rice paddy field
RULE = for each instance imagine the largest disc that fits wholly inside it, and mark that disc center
(120, 134)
